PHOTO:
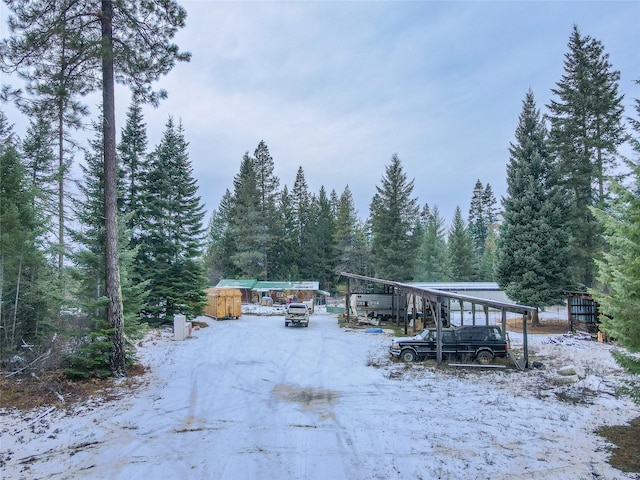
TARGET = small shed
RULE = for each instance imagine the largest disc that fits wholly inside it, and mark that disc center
(223, 303)
(583, 312)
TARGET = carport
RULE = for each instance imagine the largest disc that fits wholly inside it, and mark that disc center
(433, 300)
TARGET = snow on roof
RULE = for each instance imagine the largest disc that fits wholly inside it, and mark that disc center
(265, 286)
(286, 285)
(458, 286)
(231, 283)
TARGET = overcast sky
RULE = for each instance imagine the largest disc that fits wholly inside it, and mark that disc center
(339, 87)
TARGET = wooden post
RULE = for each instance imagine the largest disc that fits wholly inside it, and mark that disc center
(525, 341)
(415, 312)
(347, 306)
(461, 312)
(438, 330)
(406, 314)
(486, 315)
(396, 299)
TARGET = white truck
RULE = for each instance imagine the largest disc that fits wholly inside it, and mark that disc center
(297, 314)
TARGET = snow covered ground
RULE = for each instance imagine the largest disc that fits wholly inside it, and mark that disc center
(251, 399)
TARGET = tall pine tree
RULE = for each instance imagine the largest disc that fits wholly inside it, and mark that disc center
(320, 252)
(92, 357)
(345, 233)
(432, 265)
(267, 184)
(586, 130)
(394, 217)
(477, 222)
(219, 242)
(133, 164)
(246, 227)
(171, 246)
(533, 255)
(26, 305)
(619, 268)
(301, 201)
(287, 249)
(461, 253)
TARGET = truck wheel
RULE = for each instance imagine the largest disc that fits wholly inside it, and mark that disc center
(407, 356)
(286, 324)
(484, 357)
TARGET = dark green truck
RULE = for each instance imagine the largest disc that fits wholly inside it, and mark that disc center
(479, 343)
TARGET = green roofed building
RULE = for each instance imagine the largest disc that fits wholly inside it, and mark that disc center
(280, 292)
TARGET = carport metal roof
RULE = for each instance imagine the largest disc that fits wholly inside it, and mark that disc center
(435, 295)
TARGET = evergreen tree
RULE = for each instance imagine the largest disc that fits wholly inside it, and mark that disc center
(267, 185)
(489, 205)
(220, 245)
(39, 162)
(334, 201)
(482, 215)
(25, 301)
(394, 216)
(43, 50)
(246, 227)
(93, 356)
(133, 167)
(489, 258)
(461, 254)
(477, 223)
(432, 256)
(301, 201)
(171, 246)
(141, 33)
(345, 233)
(532, 260)
(320, 252)
(619, 268)
(362, 259)
(586, 130)
(287, 249)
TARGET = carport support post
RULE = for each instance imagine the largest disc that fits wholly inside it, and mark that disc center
(439, 330)
(347, 307)
(504, 322)
(415, 312)
(461, 312)
(525, 342)
(396, 297)
(406, 313)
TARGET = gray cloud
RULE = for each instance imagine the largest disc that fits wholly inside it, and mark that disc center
(338, 87)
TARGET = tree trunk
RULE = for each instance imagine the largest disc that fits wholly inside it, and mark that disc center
(15, 304)
(112, 273)
(535, 319)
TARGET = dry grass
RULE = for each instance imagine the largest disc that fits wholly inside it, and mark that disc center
(545, 326)
(54, 389)
(625, 455)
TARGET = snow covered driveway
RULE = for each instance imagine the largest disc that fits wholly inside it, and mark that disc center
(251, 399)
